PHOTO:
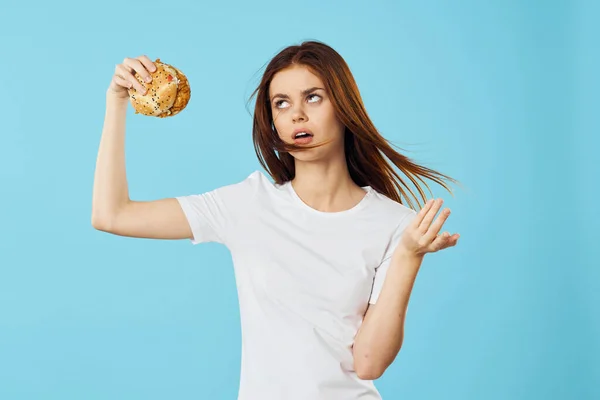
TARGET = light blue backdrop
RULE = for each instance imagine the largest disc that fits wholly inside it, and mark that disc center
(500, 96)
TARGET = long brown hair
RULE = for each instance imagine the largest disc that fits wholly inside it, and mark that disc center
(366, 150)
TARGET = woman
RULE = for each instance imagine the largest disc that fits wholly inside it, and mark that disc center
(325, 256)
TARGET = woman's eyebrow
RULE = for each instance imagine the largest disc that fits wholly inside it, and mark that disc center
(304, 93)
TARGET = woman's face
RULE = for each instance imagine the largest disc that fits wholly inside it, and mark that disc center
(299, 103)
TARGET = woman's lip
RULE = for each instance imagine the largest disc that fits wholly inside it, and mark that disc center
(297, 131)
(303, 140)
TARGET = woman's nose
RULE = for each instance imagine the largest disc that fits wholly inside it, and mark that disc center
(298, 115)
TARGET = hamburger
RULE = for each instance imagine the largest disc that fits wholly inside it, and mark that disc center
(167, 94)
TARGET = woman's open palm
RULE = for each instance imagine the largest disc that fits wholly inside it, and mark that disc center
(422, 235)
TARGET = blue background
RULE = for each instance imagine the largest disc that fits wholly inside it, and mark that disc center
(502, 96)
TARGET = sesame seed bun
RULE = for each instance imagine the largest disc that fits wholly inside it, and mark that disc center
(167, 94)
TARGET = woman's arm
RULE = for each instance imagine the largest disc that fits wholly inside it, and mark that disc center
(380, 336)
(112, 209)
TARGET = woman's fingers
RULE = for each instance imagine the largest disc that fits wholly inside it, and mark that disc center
(428, 217)
(422, 213)
(119, 80)
(429, 228)
(147, 63)
(435, 228)
(443, 241)
(139, 68)
(422, 237)
(125, 71)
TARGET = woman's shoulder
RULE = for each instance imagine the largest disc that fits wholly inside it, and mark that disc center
(256, 179)
(390, 208)
(255, 182)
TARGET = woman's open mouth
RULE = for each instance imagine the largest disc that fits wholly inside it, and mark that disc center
(303, 137)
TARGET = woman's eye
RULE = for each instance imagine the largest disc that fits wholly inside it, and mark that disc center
(278, 103)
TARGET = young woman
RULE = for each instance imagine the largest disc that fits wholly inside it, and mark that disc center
(325, 256)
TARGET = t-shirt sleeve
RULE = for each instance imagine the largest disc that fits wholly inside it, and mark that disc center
(212, 215)
(381, 270)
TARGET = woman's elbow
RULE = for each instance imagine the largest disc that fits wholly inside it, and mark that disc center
(369, 374)
(370, 365)
(368, 371)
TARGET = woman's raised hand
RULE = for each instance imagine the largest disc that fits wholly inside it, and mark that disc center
(124, 76)
(422, 235)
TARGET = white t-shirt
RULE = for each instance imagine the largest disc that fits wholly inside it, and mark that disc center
(304, 279)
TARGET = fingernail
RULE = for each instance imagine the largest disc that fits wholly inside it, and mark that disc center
(148, 79)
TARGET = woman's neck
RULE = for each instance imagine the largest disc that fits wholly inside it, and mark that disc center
(326, 186)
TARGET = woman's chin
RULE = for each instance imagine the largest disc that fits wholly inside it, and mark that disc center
(318, 154)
